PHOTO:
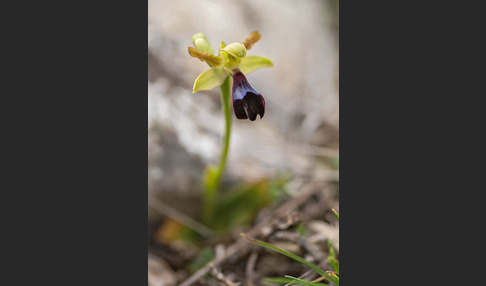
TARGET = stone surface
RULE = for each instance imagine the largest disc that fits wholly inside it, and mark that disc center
(159, 273)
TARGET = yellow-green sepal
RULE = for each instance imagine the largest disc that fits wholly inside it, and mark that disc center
(251, 63)
(210, 79)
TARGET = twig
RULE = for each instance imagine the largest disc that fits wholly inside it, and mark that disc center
(250, 266)
(178, 216)
(220, 276)
(314, 150)
(242, 244)
(297, 238)
(319, 175)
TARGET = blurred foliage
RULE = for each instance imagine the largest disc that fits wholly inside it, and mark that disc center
(206, 254)
(301, 229)
(334, 161)
(171, 231)
(278, 185)
(239, 205)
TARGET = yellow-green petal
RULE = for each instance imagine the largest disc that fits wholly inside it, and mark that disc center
(210, 79)
(251, 63)
(203, 56)
(223, 44)
(252, 39)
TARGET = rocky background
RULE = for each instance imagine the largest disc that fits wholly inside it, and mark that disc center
(299, 133)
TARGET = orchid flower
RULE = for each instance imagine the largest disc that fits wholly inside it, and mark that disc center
(227, 69)
(231, 60)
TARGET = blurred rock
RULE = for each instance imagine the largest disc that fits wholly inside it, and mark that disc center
(159, 273)
(321, 231)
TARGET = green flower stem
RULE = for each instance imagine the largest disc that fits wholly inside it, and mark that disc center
(226, 102)
(213, 178)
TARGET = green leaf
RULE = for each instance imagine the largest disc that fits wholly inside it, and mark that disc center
(251, 63)
(286, 253)
(276, 280)
(334, 263)
(290, 279)
(210, 79)
(335, 213)
(332, 259)
(303, 282)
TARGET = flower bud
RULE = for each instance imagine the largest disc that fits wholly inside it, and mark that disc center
(201, 43)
